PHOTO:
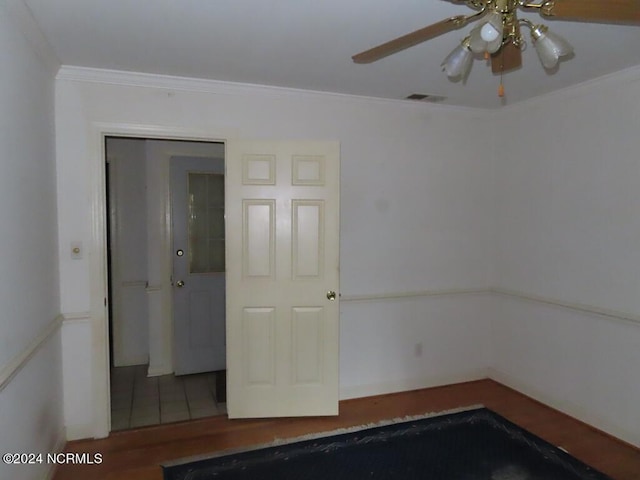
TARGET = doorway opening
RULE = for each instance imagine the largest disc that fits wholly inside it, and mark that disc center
(166, 280)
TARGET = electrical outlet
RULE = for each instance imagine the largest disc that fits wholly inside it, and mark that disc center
(417, 349)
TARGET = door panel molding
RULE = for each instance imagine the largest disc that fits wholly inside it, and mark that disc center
(258, 238)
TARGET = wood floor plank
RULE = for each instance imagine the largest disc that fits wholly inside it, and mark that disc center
(138, 454)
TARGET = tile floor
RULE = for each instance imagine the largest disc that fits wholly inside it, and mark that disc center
(139, 401)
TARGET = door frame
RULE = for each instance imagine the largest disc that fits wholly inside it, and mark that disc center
(98, 261)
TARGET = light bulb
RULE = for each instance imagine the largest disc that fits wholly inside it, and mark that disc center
(489, 33)
(476, 43)
(493, 28)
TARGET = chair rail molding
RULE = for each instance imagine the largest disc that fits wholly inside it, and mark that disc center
(613, 315)
(13, 367)
(413, 294)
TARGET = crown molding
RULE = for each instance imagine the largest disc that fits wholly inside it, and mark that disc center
(218, 87)
(26, 23)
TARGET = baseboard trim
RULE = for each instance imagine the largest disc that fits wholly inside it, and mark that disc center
(58, 447)
(132, 361)
(76, 318)
(405, 385)
(17, 363)
(158, 370)
(568, 408)
(80, 431)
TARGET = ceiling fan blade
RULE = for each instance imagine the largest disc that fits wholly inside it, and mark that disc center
(609, 11)
(508, 58)
(410, 39)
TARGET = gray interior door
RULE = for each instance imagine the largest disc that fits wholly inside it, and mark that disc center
(198, 278)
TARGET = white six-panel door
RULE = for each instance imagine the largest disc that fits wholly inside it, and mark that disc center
(282, 217)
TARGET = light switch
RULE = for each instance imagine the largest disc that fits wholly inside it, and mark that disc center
(76, 250)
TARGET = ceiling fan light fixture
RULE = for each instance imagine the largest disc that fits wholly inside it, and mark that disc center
(458, 62)
(549, 46)
(498, 36)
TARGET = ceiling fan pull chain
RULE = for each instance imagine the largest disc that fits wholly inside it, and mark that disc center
(501, 86)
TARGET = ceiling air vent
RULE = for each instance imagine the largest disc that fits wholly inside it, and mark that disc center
(421, 97)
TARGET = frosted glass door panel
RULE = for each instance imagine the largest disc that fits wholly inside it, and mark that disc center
(206, 223)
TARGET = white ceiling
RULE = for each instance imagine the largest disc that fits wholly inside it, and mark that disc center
(308, 44)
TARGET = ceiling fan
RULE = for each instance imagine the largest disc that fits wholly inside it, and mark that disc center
(498, 34)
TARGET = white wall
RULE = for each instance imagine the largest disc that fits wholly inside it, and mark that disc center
(391, 345)
(416, 194)
(128, 218)
(537, 201)
(30, 354)
(569, 230)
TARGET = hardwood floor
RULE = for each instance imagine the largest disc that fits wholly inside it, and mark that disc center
(138, 454)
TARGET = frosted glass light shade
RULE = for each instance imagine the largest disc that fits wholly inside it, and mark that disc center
(560, 45)
(476, 43)
(493, 47)
(549, 46)
(458, 62)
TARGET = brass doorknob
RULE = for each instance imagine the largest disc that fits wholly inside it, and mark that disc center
(180, 283)
(331, 295)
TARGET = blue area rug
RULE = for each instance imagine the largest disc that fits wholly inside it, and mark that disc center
(471, 445)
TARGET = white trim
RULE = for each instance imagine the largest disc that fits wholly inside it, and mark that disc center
(80, 431)
(405, 385)
(158, 370)
(17, 363)
(201, 85)
(419, 293)
(76, 317)
(577, 307)
(569, 408)
(218, 87)
(58, 447)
